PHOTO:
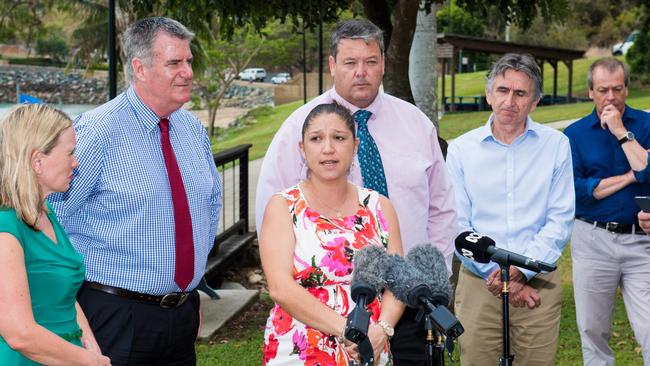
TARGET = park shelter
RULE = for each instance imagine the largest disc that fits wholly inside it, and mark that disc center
(449, 44)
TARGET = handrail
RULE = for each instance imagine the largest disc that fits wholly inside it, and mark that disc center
(239, 223)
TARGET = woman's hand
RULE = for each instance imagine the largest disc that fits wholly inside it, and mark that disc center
(95, 359)
(378, 339)
(352, 349)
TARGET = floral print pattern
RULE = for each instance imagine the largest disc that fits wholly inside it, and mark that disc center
(323, 263)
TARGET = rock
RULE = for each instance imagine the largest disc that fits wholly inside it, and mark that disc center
(254, 278)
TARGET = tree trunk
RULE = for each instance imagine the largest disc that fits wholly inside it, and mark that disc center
(424, 68)
(423, 64)
(378, 12)
(396, 80)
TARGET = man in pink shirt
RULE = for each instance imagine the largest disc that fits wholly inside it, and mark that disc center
(415, 174)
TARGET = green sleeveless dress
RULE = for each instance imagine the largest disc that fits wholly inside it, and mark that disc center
(55, 273)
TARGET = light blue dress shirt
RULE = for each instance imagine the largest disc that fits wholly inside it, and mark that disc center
(118, 210)
(521, 195)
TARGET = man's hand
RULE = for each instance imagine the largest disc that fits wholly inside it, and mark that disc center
(644, 221)
(527, 296)
(495, 285)
(611, 118)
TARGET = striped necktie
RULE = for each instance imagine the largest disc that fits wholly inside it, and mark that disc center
(372, 169)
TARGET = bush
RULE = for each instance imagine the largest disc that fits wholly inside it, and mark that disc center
(35, 61)
(638, 57)
(53, 46)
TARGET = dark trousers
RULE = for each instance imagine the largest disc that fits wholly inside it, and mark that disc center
(132, 332)
(408, 344)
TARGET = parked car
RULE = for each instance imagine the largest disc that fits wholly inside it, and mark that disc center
(253, 74)
(281, 78)
(622, 47)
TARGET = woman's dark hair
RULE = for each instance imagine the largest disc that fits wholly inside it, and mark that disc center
(330, 108)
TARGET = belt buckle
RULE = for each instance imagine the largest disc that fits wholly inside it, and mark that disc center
(173, 300)
(612, 226)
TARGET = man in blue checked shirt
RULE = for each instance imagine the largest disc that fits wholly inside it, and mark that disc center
(144, 204)
(608, 248)
(513, 182)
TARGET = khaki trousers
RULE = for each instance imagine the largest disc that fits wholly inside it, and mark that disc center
(533, 333)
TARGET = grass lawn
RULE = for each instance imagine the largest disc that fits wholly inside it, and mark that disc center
(240, 341)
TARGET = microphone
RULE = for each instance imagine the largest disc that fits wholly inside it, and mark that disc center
(428, 260)
(367, 279)
(411, 286)
(482, 249)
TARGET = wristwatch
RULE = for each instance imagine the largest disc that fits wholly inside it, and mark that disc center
(629, 136)
(388, 329)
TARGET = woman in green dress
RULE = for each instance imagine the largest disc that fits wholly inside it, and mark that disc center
(40, 272)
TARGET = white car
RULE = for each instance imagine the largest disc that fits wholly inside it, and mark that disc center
(253, 74)
(623, 47)
(281, 78)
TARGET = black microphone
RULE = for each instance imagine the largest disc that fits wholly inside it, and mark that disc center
(367, 279)
(482, 249)
(411, 286)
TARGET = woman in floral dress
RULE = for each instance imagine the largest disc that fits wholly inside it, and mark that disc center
(307, 244)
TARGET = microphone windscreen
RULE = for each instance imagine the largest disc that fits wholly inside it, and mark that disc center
(474, 246)
(370, 265)
(432, 264)
(402, 277)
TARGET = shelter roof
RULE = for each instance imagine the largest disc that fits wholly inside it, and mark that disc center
(501, 47)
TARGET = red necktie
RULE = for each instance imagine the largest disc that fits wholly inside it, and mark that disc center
(182, 219)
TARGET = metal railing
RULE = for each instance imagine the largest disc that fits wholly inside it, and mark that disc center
(232, 164)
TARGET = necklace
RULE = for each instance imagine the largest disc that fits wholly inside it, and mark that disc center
(333, 209)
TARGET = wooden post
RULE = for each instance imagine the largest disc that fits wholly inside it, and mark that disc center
(443, 74)
(569, 65)
(541, 70)
(453, 80)
(554, 64)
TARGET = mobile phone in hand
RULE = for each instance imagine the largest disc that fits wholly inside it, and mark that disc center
(643, 202)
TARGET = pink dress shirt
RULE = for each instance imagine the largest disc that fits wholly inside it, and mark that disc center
(418, 183)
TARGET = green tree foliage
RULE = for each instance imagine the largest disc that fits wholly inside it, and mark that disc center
(452, 19)
(20, 20)
(53, 46)
(605, 22)
(561, 35)
(521, 13)
(638, 57)
(224, 59)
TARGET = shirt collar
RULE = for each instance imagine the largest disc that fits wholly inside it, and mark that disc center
(373, 108)
(143, 113)
(485, 133)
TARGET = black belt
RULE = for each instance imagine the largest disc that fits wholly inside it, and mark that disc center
(615, 227)
(171, 300)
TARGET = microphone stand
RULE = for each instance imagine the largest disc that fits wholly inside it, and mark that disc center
(506, 359)
(430, 348)
(434, 346)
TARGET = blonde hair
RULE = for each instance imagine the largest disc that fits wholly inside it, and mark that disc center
(24, 130)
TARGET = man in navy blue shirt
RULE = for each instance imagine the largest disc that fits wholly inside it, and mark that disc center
(610, 164)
